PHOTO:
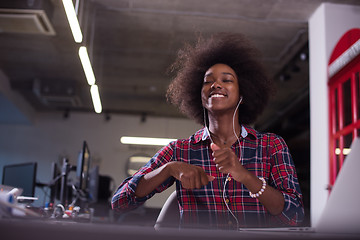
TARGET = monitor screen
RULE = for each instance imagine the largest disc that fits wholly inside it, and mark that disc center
(93, 187)
(55, 186)
(21, 176)
(83, 167)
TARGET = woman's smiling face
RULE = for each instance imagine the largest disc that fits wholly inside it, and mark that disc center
(220, 90)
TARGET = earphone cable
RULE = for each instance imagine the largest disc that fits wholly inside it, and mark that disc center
(228, 175)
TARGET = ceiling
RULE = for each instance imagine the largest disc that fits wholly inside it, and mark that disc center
(131, 44)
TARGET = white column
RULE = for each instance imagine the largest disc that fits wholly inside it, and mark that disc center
(318, 114)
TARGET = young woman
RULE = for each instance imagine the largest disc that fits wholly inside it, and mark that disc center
(227, 174)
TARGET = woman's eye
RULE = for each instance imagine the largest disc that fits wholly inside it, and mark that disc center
(227, 80)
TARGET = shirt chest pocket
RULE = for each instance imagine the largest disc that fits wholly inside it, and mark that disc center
(258, 167)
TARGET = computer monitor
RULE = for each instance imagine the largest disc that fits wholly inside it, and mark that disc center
(83, 168)
(21, 176)
(55, 182)
(93, 187)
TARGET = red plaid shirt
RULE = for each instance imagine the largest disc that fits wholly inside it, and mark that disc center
(265, 155)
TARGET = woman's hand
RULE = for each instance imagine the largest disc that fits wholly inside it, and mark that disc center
(190, 176)
(227, 162)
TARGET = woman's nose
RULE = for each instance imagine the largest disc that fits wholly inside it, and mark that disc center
(216, 84)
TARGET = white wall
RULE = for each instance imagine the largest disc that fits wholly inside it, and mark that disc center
(326, 26)
(51, 137)
(13, 107)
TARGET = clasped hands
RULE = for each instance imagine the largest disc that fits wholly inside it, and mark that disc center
(192, 176)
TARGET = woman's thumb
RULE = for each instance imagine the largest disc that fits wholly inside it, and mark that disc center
(214, 147)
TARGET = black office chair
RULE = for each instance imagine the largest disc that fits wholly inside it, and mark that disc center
(169, 215)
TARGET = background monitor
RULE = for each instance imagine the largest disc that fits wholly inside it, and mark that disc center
(93, 185)
(21, 176)
(55, 183)
(83, 168)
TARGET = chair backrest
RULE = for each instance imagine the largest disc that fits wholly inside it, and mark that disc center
(169, 215)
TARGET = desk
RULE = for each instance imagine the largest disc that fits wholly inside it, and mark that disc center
(39, 229)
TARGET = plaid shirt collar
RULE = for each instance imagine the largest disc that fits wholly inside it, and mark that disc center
(203, 133)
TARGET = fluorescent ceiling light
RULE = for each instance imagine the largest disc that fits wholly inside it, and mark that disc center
(131, 172)
(346, 151)
(146, 141)
(139, 159)
(135, 163)
(73, 21)
(94, 90)
(85, 61)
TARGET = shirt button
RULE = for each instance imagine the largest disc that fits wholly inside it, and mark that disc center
(229, 179)
(230, 222)
(227, 200)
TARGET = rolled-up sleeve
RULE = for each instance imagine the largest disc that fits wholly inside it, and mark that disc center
(124, 198)
(284, 178)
